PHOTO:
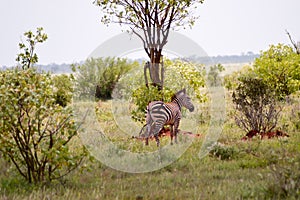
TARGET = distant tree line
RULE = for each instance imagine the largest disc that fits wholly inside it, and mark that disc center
(66, 68)
(243, 58)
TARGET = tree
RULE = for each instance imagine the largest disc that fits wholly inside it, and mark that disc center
(279, 67)
(151, 21)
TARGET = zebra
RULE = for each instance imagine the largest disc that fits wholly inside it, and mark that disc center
(160, 114)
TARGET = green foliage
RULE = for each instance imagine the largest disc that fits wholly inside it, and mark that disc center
(285, 180)
(231, 81)
(179, 75)
(213, 74)
(143, 95)
(139, 14)
(150, 20)
(27, 58)
(98, 77)
(279, 67)
(223, 152)
(295, 115)
(256, 105)
(63, 85)
(249, 170)
(35, 132)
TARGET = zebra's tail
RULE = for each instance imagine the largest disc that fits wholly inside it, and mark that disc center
(140, 133)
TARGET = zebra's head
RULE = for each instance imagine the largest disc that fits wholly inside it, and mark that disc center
(184, 100)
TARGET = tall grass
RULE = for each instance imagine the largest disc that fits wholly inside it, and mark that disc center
(234, 169)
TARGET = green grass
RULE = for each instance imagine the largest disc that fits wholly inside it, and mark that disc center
(235, 169)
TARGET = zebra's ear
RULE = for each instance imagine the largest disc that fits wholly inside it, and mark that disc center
(183, 90)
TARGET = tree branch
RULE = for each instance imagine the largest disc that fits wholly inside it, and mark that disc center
(293, 43)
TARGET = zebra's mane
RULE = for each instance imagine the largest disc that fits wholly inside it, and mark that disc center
(173, 97)
(178, 94)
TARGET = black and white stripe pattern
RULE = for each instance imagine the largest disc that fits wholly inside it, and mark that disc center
(160, 114)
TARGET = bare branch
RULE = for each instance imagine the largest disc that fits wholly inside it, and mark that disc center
(297, 48)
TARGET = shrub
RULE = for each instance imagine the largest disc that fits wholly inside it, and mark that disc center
(98, 77)
(213, 75)
(223, 152)
(284, 176)
(294, 116)
(143, 95)
(36, 132)
(63, 89)
(179, 75)
(231, 80)
(285, 181)
(256, 105)
(279, 67)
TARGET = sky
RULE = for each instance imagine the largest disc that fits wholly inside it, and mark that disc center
(74, 29)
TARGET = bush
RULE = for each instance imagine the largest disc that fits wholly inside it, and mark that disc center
(284, 181)
(179, 75)
(98, 77)
(279, 67)
(231, 80)
(63, 85)
(214, 73)
(143, 95)
(256, 105)
(36, 132)
(223, 152)
(283, 176)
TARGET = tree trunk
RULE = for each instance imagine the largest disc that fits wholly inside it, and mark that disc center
(156, 69)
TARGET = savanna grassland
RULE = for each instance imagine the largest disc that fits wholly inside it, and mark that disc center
(234, 169)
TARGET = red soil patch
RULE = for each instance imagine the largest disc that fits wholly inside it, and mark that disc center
(166, 132)
(267, 135)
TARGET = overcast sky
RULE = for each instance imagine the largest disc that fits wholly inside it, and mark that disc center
(74, 28)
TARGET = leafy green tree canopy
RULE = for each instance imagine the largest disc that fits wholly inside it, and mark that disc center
(154, 18)
(151, 21)
(279, 66)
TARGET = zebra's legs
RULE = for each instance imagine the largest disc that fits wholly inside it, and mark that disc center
(175, 130)
(157, 140)
(148, 133)
(153, 130)
(156, 130)
(171, 133)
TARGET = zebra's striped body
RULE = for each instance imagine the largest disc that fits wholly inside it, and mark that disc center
(160, 114)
